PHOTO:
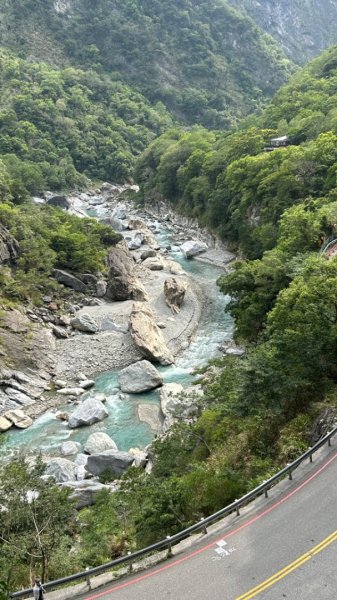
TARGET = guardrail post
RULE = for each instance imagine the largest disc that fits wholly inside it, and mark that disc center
(169, 546)
(88, 579)
(310, 457)
(290, 476)
(265, 491)
(204, 529)
(130, 563)
(329, 442)
(237, 509)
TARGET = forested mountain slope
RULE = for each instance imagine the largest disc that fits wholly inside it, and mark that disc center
(57, 125)
(231, 184)
(304, 28)
(204, 60)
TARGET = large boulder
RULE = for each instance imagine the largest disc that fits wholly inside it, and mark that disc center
(84, 323)
(99, 442)
(174, 292)
(84, 492)
(110, 460)
(89, 412)
(9, 247)
(139, 377)
(134, 240)
(70, 448)
(18, 418)
(122, 284)
(174, 267)
(59, 202)
(154, 264)
(193, 247)
(69, 280)
(147, 335)
(148, 253)
(61, 469)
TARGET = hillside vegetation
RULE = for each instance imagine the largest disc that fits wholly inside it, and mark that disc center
(58, 125)
(61, 125)
(204, 60)
(278, 208)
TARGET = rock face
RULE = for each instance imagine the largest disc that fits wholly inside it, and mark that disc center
(170, 399)
(152, 415)
(193, 247)
(174, 292)
(122, 284)
(304, 29)
(110, 460)
(33, 354)
(99, 442)
(89, 412)
(69, 280)
(139, 377)
(9, 247)
(147, 335)
(84, 323)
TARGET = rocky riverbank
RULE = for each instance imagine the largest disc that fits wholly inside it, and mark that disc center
(93, 333)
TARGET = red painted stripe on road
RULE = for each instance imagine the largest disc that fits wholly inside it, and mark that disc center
(208, 546)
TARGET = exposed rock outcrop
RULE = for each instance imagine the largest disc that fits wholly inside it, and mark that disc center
(170, 400)
(139, 377)
(174, 292)
(147, 336)
(9, 247)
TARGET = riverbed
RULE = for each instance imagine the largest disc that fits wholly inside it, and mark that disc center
(123, 425)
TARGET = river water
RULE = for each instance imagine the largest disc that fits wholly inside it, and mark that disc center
(122, 424)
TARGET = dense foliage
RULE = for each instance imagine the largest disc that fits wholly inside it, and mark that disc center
(231, 184)
(50, 238)
(58, 124)
(205, 61)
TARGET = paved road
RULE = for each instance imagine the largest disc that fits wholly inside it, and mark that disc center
(284, 548)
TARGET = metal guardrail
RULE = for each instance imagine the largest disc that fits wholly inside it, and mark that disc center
(199, 526)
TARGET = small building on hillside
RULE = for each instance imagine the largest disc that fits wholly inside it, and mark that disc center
(278, 142)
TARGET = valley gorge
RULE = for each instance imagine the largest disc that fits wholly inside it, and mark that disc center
(168, 200)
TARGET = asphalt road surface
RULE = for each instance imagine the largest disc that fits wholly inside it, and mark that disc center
(285, 547)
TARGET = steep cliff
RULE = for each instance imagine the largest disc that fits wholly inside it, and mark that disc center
(302, 27)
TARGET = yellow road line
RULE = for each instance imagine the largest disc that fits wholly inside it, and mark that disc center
(289, 568)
